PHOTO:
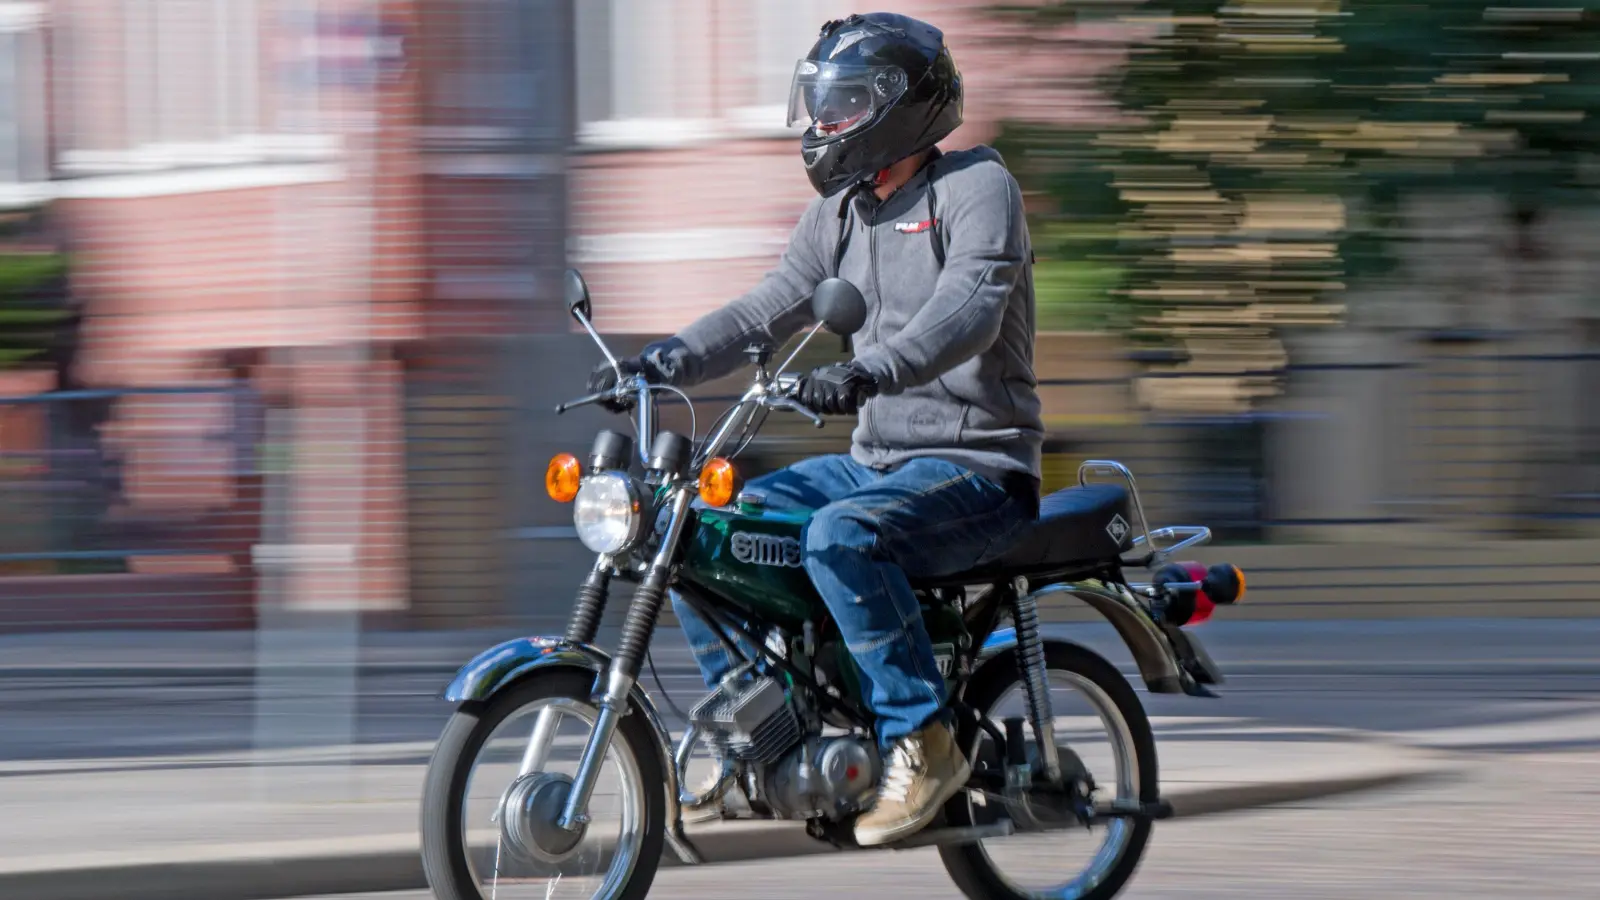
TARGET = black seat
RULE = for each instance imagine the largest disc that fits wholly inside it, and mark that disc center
(1077, 527)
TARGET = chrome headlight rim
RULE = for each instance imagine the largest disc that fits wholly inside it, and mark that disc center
(633, 522)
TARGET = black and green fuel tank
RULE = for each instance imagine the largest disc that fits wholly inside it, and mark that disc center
(754, 556)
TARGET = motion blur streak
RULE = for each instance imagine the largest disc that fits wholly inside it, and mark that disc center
(281, 333)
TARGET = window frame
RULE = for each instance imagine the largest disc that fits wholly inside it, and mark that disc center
(762, 119)
(24, 135)
(244, 139)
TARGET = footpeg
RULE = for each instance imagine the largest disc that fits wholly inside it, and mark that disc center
(938, 837)
(1128, 809)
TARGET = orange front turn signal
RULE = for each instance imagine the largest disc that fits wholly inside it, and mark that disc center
(719, 483)
(562, 477)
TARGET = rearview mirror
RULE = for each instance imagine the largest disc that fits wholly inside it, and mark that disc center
(577, 295)
(839, 306)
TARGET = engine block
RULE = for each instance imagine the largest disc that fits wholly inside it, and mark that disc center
(832, 777)
(749, 719)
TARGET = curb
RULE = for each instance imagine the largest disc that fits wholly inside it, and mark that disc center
(392, 862)
(234, 671)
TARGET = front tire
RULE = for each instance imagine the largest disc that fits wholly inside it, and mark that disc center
(970, 865)
(446, 857)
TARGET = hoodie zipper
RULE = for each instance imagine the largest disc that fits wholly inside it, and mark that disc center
(872, 267)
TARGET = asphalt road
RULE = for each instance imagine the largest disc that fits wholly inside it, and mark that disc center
(1515, 698)
(1519, 680)
(1518, 825)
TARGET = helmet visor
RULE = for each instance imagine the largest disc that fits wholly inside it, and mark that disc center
(836, 99)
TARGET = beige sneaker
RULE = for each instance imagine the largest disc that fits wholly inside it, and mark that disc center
(925, 770)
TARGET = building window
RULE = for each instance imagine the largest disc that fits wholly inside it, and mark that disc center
(24, 141)
(151, 85)
(193, 71)
(497, 74)
(651, 74)
(635, 85)
(785, 31)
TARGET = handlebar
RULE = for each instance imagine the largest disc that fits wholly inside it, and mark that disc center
(793, 405)
(776, 393)
(583, 401)
(623, 391)
(779, 395)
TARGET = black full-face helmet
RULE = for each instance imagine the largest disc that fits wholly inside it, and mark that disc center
(875, 89)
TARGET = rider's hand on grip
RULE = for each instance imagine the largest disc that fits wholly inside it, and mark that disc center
(660, 363)
(603, 380)
(835, 390)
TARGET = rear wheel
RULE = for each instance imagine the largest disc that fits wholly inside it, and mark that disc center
(1101, 727)
(488, 828)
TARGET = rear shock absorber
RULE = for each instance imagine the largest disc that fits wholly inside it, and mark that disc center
(1034, 675)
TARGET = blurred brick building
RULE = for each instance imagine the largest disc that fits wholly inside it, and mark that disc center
(294, 224)
(686, 182)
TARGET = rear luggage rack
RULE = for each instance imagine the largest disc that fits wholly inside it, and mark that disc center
(1181, 537)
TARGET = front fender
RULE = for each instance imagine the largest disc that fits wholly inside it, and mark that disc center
(1157, 661)
(502, 665)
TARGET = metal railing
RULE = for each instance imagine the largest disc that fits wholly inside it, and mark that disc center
(149, 505)
(127, 505)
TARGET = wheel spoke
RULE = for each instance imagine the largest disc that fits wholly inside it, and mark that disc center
(543, 861)
(490, 824)
(1101, 735)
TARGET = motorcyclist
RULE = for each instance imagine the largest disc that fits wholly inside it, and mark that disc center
(944, 464)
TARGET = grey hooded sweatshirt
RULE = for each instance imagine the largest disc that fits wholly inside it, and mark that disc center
(951, 345)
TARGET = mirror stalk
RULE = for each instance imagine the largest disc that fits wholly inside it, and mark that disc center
(809, 335)
(584, 321)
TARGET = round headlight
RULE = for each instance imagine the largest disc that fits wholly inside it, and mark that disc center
(607, 513)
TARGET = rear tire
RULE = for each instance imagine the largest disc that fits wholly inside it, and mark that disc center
(970, 867)
(444, 848)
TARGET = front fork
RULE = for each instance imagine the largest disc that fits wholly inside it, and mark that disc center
(623, 674)
(585, 624)
(1035, 676)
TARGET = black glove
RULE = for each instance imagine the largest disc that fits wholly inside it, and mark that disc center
(836, 390)
(604, 378)
(659, 364)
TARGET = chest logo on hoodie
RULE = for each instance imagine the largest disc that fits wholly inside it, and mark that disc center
(915, 227)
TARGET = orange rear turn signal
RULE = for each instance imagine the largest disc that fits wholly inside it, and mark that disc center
(1224, 584)
(562, 477)
(719, 483)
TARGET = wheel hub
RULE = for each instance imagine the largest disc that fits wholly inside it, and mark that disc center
(529, 818)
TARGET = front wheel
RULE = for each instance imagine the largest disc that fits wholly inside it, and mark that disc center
(489, 828)
(1102, 730)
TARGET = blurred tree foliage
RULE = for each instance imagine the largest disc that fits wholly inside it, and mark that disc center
(36, 323)
(1266, 143)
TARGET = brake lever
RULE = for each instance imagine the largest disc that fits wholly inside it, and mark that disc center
(582, 401)
(794, 405)
(624, 391)
(592, 399)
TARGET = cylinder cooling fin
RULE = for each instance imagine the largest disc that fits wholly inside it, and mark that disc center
(749, 718)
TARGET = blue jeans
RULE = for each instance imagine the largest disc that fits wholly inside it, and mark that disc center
(927, 518)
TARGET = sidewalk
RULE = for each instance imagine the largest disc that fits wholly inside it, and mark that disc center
(1238, 646)
(243, 828)
(240, 653)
